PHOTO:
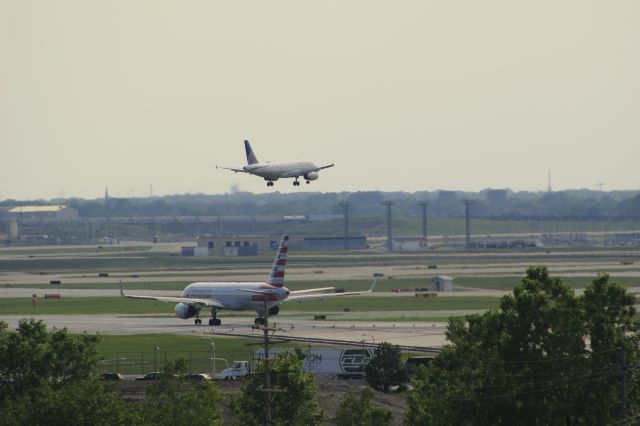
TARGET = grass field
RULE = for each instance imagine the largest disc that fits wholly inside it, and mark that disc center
(138, 354)
(161, 262)
(385, 284)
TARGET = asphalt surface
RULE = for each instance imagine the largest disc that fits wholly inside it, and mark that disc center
(399, 333)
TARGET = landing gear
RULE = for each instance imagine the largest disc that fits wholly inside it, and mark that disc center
(214, 318)
(258, 321)
(308, 181)
(296, 183)
(197, 321)
(269, 183)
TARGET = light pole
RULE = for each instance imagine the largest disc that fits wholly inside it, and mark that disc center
(155, 359)
(213, 359)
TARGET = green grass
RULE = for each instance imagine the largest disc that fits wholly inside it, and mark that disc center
(73, 250)
(122, 262)
(137, 354)
(508, 283)
(384, 284)
(392, 304)
(83, 306)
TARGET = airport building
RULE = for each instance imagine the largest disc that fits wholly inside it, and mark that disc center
(335, 243)
(442, 283)
(55, 213)
(407, 243)
(240, 245)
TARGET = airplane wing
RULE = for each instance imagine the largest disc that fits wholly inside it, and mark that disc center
(322, 296)
(324, 167)
(232, 169)
(188, 300)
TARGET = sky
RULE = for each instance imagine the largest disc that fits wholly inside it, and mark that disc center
(401, 96)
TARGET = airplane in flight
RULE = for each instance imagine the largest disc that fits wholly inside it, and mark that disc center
(274, 171)
(245, 296)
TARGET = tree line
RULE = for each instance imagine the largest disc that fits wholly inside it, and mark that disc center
(489, 204)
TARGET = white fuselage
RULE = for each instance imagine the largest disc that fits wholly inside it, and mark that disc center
(275, 171)
(234, 296)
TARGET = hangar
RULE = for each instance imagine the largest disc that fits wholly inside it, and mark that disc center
(52, 213)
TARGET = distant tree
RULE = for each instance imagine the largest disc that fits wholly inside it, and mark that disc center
(386, 368)
(294, 403)
(545, 357)
(359, 411)
(174, 401)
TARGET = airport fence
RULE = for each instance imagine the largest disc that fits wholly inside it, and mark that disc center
(140, 363)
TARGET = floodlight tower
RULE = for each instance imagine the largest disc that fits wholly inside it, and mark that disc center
(388, 204)
(345, 213)
(467, 219)
(424, 205)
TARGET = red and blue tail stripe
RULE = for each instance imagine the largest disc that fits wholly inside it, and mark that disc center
(276, 278)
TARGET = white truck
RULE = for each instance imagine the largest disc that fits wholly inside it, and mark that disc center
(344, 363)
(238, 370)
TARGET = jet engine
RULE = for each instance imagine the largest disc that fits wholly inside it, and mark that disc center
(273, 311)
(185, 311)
(311, 176)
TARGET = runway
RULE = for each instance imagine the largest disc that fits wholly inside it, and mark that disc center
(399, 333)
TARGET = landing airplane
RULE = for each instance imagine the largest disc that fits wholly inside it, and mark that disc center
(245, 296)
(272, 172)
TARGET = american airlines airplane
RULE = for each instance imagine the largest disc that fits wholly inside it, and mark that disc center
(274, 171)
(245, 296)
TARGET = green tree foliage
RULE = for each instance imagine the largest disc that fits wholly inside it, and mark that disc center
(545, 357)
(386, 368)
(294, 403)
(82, 402)
(48, 378)
(174, 401)
(359, 411)
(35, 357)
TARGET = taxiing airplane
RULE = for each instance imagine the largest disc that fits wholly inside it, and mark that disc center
(245, 296)
(274, 171)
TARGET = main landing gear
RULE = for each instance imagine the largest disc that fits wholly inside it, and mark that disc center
(214, 318)
(269, 183)
(297, 182)
(258, 321)
(212, 322)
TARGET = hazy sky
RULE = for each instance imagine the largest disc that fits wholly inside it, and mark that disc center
(400, 95)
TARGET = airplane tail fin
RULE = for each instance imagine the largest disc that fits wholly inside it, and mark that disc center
(276, 278)
(251, 157)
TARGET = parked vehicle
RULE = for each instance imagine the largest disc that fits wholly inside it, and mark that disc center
(197, 377)
(155, 375)
(111, 376)
(238, 370)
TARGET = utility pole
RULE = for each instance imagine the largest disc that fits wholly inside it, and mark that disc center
(345, 214)
(467, 216)
(424, 205)
(267, 370)
(388, 204)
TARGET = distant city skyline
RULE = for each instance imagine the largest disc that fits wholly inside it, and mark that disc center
(405, 96)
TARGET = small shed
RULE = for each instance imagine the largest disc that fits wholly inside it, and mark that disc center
(442, 283)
